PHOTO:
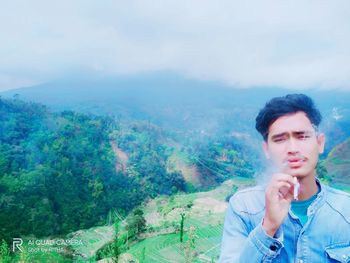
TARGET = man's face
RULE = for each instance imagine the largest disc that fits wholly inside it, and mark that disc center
(293, 145)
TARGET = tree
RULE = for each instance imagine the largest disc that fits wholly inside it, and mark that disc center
(136, 223)
(143, 255)
(4, 252)
(322, 172)
(182, 226)
(190, 245)
(24, 256)
(116, 248)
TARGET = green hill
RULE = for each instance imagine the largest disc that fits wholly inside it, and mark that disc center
(58, 170)
(337, 164)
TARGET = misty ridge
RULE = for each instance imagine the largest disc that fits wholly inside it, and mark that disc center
(180, 105)
(191, 112)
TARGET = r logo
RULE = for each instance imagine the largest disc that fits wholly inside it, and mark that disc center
(17, 243)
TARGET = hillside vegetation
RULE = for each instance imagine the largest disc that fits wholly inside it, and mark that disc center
(65, 171)
(58, 174)
(337, 164)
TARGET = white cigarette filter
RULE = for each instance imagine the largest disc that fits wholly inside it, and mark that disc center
(296, 188)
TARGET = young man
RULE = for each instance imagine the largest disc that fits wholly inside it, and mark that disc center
(294, 218)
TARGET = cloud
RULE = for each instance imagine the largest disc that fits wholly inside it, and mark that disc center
(242, 43)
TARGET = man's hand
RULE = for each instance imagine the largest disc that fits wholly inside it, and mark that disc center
(278, 196)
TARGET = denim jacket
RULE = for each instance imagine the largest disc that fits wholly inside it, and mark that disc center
(324, 238)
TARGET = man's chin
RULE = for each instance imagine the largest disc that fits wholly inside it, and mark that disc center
(300, 174)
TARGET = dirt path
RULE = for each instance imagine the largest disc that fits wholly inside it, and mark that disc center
(122, 157)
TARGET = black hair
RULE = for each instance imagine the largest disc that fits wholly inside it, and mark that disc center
(280, 106)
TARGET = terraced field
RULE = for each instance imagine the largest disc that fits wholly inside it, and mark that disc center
(92, 240)
(205, 214)
(167, 248)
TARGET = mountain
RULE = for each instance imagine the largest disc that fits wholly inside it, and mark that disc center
(337, 163)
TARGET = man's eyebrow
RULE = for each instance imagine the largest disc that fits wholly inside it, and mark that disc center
(302, 132)
(293, 133)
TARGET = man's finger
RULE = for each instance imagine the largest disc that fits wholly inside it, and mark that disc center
(281, 187)
(283, 177)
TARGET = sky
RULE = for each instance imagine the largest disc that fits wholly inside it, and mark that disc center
(289, 43)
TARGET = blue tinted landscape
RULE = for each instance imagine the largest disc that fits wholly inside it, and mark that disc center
(138, 168)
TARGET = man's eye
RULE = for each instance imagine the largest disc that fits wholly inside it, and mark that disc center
(279, 139)
(303, 137)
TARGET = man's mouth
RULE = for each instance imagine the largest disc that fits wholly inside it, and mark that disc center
(295, 162)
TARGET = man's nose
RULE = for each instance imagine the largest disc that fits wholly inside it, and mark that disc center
(292, 146)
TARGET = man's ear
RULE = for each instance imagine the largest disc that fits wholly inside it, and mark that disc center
(321, 140)
(266, 150)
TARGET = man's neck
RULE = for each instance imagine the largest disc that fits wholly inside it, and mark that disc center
(308, 187)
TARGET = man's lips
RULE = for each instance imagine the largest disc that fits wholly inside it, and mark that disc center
(295, 162)
(292, 160)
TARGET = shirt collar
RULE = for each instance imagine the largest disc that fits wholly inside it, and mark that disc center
(320, 199)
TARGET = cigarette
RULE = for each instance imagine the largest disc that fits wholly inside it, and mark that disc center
(296, 188)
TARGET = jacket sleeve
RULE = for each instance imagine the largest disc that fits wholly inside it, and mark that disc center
(241, 244)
